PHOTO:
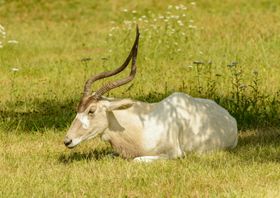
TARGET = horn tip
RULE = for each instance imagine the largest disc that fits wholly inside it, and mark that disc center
(137, 29)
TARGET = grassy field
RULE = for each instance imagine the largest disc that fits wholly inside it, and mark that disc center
(228, 52)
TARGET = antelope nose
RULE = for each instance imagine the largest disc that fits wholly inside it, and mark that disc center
(67, 141)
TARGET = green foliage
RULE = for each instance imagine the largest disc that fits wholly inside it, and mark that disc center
(228, 52)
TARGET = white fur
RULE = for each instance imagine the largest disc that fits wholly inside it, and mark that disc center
(147, 158)
(75, 142)
(83, 118)
(169, 128)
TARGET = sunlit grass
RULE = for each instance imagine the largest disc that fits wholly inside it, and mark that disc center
(226, 51)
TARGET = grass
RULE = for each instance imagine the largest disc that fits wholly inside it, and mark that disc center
(227, 52)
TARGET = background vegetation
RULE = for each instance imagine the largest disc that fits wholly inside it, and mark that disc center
(227, 51)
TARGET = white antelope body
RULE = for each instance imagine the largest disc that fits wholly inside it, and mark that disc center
(148, 131)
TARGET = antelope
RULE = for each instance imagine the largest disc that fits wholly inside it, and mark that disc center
(149, 131)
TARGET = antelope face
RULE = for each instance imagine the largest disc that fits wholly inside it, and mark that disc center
(87, 124)
(91, 118)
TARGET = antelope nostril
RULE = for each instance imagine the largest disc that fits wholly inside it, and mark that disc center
(67, 141)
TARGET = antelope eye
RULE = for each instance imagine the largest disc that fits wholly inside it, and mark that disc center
(91, 112)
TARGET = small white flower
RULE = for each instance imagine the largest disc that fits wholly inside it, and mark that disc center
(127, 22)
(125, 10)
(13, 41)
(169, 7)
(1, 46)
(133, 11)
(2, 28)
(193, 3)
(110, 35)
(15, 69)
(180, 22)
(183, 7)
(192, 26)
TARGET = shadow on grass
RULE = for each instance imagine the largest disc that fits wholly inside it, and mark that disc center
(259, 145)
(55, 114)
(37, 116)
(97, 154)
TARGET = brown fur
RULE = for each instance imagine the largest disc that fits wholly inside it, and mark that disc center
(126, 143)
(126, 146)
(85, 102)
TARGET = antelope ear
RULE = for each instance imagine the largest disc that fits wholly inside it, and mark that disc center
(119, 104)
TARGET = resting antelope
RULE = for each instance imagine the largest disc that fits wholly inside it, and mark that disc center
(148, 131)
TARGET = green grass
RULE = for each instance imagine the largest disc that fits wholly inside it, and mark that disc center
(38, 102)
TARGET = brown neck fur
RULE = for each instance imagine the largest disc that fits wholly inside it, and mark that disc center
(124, 142)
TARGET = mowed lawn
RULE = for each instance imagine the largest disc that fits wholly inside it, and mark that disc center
(226, 51)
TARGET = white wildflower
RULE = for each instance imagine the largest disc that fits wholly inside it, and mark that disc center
(112, 29)
(183, 7)
(180, 23)
(133, 11)
(12, 41)
(110, 35)
(193, 3)
(127, 22)
(2, 27)
(175, 17)
(125, 10)
(169, 7)
(15, 69)
(192, 26)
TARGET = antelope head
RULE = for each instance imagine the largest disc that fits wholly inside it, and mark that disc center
(91, 119)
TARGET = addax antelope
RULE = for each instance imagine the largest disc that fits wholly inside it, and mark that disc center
(148, 131)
